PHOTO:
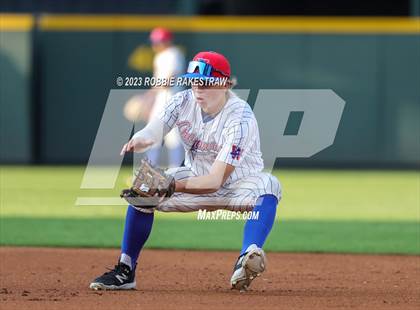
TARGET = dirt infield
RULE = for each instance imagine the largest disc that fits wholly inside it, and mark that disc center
(42, 278)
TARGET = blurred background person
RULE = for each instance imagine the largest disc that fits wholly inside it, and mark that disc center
(169, 61)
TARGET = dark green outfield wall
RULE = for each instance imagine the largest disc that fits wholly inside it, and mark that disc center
(15, 97)
(377, 75)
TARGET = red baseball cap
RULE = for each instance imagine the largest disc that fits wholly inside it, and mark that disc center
(208, 64)
(161, 34)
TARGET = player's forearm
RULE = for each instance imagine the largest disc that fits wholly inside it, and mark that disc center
(152, 131)
(205, 184)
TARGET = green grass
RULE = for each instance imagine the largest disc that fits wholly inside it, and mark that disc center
(321, 211)
(290, 235)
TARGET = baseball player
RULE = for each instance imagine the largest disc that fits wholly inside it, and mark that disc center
(169, 61)
(222, 170)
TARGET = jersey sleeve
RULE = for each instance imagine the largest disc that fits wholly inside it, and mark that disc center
(236, 139)
(170, 112)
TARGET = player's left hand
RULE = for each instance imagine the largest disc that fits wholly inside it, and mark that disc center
(150, 187)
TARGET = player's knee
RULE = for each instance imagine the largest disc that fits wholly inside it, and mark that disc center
(275, 187)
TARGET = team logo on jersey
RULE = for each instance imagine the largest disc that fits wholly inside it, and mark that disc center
(194, 147)
(191, 138)
(236, 152)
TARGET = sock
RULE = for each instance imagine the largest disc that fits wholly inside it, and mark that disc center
(138, 226)
(257, 230)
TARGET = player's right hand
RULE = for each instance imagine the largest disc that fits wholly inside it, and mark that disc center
(137, 145)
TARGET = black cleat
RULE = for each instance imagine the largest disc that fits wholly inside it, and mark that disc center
(120, 278)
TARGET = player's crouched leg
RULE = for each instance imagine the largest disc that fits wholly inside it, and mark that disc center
(252, 260)
(137, 228)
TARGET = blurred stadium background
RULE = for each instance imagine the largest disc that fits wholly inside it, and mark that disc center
(59, 59)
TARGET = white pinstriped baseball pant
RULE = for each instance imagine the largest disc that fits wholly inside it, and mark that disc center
(237, 196)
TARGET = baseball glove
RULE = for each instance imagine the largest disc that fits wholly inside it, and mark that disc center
(151, 185)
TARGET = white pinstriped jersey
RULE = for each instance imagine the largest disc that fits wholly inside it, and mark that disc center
(231, 136)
